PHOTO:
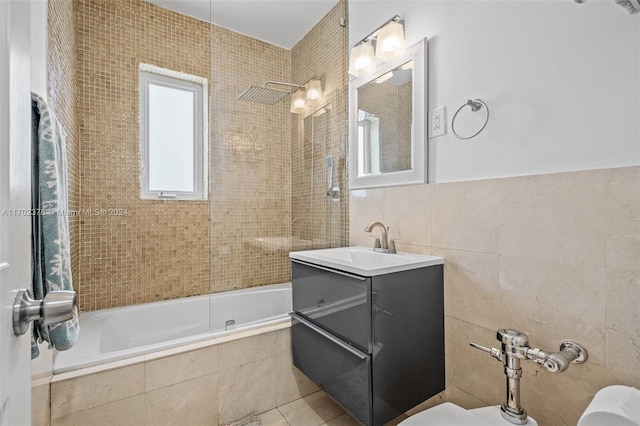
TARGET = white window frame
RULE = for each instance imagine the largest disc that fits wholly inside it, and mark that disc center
(150, 74)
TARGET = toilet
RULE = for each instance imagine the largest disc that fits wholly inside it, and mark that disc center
(453, 415)
(613, 405)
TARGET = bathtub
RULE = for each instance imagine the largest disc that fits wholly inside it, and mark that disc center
(115, 334)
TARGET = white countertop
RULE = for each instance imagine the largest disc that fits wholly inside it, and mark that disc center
(364, 261)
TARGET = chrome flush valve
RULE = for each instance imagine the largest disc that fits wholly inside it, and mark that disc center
(514, 348)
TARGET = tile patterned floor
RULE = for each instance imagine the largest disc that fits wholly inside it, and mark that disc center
(317, 409)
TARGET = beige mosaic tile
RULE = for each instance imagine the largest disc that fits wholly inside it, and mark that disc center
(313, 138)
(167, 249)
(155, 250)
(62, 74)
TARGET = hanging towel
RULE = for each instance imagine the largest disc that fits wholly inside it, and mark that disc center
(50, 225)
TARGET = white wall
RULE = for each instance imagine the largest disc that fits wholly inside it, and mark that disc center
(39, 47)
(562, 81)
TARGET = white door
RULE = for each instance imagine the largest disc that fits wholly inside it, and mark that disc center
(15, 200)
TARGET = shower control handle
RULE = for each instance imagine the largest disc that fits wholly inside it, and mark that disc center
(56, 307)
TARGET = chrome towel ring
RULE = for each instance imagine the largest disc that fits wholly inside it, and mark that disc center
(475, 105)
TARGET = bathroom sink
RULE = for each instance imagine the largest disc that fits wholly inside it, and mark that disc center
(364, 261)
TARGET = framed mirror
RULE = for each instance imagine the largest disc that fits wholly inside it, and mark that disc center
(387, 132)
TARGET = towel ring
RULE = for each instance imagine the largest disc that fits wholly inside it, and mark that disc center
(475, 105)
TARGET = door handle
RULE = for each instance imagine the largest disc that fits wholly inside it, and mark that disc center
(56, 307)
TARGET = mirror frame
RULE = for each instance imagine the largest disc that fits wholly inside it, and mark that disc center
(418, 172)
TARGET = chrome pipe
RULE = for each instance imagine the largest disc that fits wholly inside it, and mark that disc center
(514, 348)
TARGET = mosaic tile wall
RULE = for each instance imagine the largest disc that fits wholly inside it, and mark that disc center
(250, 172)
(394, 122)
(147, 250)
(62, 93)
(143, 251)
(322, 54)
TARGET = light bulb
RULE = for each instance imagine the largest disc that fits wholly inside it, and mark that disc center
(390, 41)
(362, 60)
(314, 90)
(298, 101)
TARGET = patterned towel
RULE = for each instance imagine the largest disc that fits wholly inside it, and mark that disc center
(50, 225)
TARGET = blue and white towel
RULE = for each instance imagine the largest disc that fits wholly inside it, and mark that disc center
(50, 226)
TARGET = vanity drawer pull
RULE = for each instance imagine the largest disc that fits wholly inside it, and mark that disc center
(328, 336)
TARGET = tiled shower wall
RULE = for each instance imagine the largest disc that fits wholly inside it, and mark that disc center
(155, 250)
(62, 94)
(395, 121)
(556, 256)
(250, 164)
(321, 54)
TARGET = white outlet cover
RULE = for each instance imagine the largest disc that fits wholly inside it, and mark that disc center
(438, 124)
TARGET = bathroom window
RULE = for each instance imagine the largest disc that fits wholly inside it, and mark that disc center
(368, 143)
(173, 135)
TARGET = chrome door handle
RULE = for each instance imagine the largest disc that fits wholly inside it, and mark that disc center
(57, 306)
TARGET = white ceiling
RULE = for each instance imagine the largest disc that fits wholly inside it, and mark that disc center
(279, 22)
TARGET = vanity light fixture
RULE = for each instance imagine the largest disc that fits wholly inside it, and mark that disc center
(298, 101)
(388, 40)
(314, 90)
(362, 60)
(310, 92)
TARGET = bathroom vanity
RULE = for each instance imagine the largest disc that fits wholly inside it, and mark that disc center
(368, 328)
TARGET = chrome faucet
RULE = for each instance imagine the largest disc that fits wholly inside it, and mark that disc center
(385, 244)
(515, 347)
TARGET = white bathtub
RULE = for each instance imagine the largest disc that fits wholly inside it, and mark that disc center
(115, 334)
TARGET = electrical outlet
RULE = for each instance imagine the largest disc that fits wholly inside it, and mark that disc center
(439, 122)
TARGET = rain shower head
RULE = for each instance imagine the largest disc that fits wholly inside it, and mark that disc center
(266, 95)
(262, 95)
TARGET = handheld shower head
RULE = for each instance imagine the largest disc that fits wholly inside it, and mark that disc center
(329, 171)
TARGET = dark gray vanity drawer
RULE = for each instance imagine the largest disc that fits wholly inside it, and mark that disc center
(338, 302)
(341, 370)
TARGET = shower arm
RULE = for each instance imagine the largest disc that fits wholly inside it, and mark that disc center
(280, 83)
